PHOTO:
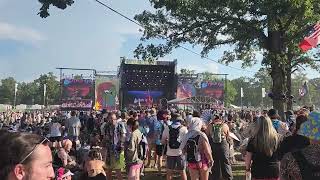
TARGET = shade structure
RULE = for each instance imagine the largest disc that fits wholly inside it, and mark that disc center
(195, 100)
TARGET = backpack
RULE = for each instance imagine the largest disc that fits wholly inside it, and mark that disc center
(192, 149)
(217, 134)
(307, 170)
(142, 148)
(173, 137)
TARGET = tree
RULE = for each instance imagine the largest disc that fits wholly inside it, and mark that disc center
(273, 27)
(53, 90)
(7, 90)
(61, 4)
(27, 93)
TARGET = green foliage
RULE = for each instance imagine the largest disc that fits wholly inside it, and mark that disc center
(7, 90)
(248, 26)
(272, 27)
(61, 4)
(32, 92)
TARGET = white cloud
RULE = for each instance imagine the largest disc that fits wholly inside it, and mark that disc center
(12, 32)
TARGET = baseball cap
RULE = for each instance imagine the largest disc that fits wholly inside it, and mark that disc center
(63, 172)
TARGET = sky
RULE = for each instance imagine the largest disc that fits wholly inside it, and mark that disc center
(85, 35)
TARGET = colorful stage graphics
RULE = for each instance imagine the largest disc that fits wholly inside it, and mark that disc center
(212, 89)
(195, 87)
(144, 97)
(77, 93)
(106, 89)
(185, 90)
(77, 89)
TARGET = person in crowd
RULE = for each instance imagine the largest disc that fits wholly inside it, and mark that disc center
(91, 123)
(172, 137)
(281, 127)
(95, 139)
(25, 156)
(73, 126)
(114, 150)
(151, 120)
(62, 158)
(94, 166)
(197, 149)
(160, 148)
(303, 161)
(218, 133)
(133, 154)
(55, 133)
(262, 159)
(64, 174)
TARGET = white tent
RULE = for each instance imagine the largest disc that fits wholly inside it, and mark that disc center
(234, 106)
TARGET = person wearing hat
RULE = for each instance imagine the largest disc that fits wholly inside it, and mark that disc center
(64, 174)
(281, 127)
(303, 160)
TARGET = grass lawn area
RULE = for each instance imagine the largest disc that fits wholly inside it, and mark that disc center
(238, 173)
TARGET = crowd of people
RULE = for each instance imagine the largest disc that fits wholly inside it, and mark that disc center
(196, 144)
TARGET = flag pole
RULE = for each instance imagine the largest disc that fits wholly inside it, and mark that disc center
(44, 94)
(15, 95)
(241, 96)
(309, 94)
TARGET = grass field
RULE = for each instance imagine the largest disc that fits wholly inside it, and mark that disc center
(238, 173)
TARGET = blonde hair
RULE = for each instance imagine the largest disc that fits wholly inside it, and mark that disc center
(266, 138)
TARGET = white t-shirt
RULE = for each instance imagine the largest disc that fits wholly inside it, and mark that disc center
(122, 131)
(55, 130)
(174, 152)
(73, 125)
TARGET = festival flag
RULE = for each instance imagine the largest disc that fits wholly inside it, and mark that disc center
(44, 90)
(303, 91)
(311, 41)
(15, 88)
(241, 92)
(263, 92)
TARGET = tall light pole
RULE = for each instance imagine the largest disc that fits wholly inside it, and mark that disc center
(44, 94)
(241, 96)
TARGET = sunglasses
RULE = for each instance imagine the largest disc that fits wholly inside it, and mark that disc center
(44, 141)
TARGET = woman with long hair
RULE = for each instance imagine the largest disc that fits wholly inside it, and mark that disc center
(262, 157)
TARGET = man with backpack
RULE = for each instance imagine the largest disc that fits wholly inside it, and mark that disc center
(218, 133)
(172, 136)
(135, 151)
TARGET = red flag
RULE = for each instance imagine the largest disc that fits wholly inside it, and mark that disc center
(311, 41)
(305, 46)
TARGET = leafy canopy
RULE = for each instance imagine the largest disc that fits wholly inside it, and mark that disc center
(245, 25)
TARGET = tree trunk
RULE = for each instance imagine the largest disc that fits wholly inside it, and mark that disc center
(275, 47)
(278, 87)
(288, 84)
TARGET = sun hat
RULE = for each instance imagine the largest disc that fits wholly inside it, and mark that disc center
(311, 127)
